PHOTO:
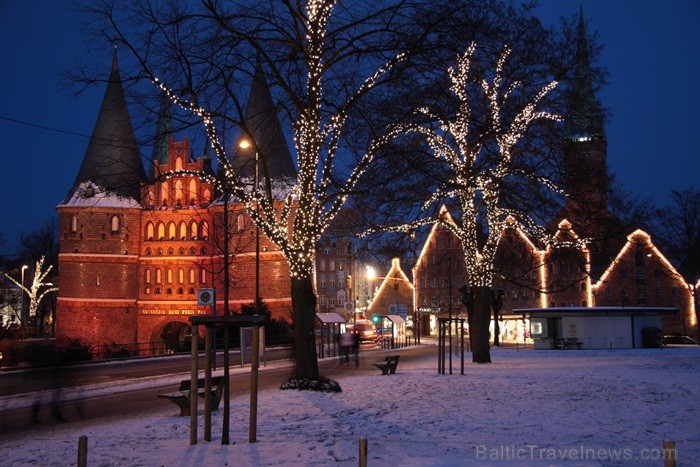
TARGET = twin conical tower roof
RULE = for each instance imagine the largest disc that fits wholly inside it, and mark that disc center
(112, 161)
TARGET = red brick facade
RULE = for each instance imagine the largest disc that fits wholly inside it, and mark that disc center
(130, 275)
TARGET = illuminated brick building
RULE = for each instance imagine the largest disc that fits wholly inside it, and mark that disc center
(136, 248)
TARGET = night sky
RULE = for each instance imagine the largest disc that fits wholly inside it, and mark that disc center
(651, 51)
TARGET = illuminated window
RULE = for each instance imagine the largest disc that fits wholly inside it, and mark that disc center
(193, 191)
(164, 193)
(161, 231)
(178, 192)
(114, 224)
(149, 231)
(183, 231)
(181, 276)
(202, 276)
(74, 223)
(171, 231)
(205, 230)
(148, 276)
(207, 194)
(170, 276)
(178, 163)
(159, 276)
(192, 276)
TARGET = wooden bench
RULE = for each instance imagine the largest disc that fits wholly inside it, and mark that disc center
(388, 366)
(181, 397)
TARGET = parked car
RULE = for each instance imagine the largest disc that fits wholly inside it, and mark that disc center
(365, 328)
(678, 339)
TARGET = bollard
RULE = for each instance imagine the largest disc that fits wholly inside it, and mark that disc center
(82, 451)
(363, 452)
(669, 454)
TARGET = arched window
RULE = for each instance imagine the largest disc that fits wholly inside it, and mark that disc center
(207, 194)
(240, 223)
(202, 276)
(74, 223)
(159, 276)
(164, 188)
(150, 197)
(149, 231)
(205, 230)
(194, 230)
(114, 223)
(171, 231)
(148, 276)
(170, 276)
(192, 276)
(178, 192)
(183, 231)
(181, 276)
(161, 231)
(178, 163)
(193, 191)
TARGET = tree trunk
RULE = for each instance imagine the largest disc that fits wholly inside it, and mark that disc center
(479, 330)
(304, 311)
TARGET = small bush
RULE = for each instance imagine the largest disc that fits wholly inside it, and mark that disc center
(76, 351)
(115, 350)
(322, 384)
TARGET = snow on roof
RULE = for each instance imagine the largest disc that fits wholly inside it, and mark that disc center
(89, 195)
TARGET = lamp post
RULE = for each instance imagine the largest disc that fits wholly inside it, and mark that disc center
(21, 299)
(245, 144)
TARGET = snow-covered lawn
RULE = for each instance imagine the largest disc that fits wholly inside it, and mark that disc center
(527, 408)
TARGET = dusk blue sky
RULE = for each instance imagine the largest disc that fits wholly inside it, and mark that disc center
(651, 51)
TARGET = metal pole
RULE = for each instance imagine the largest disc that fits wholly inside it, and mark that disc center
(193, 384)
(254, 365)
(227, 389)
(207, 383)
(257, 239)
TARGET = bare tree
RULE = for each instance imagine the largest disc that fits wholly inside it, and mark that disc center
(323, 57)
(677, 229)
(38, 290)
(478, 172)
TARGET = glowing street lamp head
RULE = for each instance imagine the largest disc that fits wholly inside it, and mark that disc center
(371, 274)
(244, 144)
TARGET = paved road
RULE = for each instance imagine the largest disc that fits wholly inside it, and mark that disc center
(130, 401)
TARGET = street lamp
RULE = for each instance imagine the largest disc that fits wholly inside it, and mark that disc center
(245, 144)
(21, 302)
(371, 275)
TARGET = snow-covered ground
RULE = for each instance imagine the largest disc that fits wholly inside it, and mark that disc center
(527, 408)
